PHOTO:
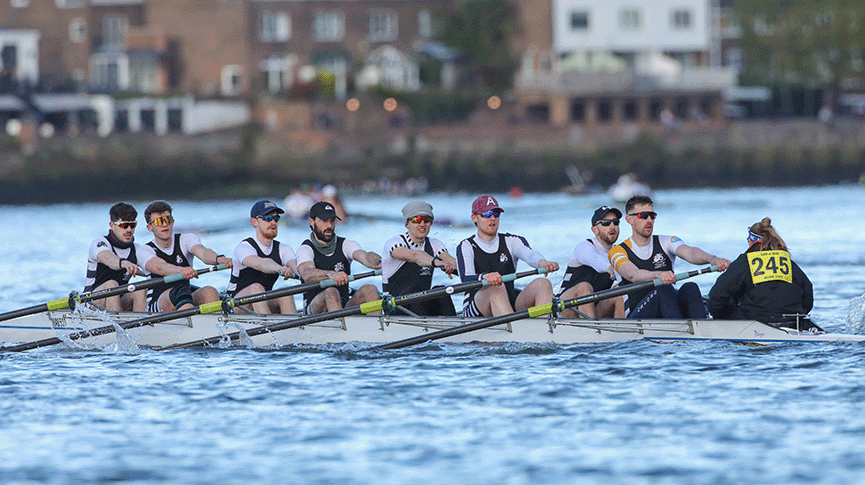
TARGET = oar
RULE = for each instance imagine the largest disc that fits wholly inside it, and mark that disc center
(62, 303)
(369, 307)
(213, 307)
(539, 310)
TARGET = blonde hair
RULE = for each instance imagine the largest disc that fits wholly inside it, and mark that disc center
(769, 239)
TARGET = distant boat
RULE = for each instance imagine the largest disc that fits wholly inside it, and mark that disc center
(626, 187)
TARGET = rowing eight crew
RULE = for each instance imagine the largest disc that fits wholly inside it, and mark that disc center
(765, 283)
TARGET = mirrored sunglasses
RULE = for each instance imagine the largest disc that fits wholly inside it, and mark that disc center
(269, 218)
(162, 221)
(419, 219)
(126, 224)
(644, 215)
(489, 213)
(607, 222)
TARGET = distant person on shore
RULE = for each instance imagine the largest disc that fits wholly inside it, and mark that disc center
(589, 269)
(644, 257)
(763, 284)
(113, 260)
(488, 255)
(327, 256)
(409, 260)
(259, 261)
(171, 253)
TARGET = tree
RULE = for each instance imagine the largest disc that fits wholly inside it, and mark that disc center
(810, 43)
(483, 29)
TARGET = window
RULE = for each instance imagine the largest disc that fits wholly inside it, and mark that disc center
(77, 30)
(329, 26)
(69, 3)
(114, 29)
(274, 26)
(424, 24)
(733, 58)
(630, 19)
(109, 72)
(382, 25)
(232, 77)
(20, 3)
(276, 72)
(580, 20)
(680, 19)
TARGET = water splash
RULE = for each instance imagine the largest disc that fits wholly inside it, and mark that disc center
(244, 339)
(856, 315)
(88, 319)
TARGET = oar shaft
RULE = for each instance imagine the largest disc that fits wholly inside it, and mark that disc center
(538, 310)
(368, 307)
(293, 290)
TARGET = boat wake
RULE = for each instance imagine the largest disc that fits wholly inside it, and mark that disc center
(856, 315)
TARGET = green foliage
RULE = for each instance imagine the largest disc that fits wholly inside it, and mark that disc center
(431, 107)
(483, 29)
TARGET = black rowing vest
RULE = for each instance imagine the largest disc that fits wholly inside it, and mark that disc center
(584, 272)
(103, 273)
(335, 262)
(176, 258)
(501, 262)
(248, 276)
(658, 261)
(410, 277)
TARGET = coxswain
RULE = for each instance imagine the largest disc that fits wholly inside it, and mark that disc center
(410, 259)
(171, 253)
(764, 284)
(259, 261)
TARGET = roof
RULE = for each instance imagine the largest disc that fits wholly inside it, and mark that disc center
(9, 102)
(57, 103)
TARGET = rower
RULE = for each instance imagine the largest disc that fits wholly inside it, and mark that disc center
(589, 269)
(327, 256)
(488, 255)
(410, 259)
(171, 253)
(113, 260)
(260, 260)
(644, 257)
(764, 284)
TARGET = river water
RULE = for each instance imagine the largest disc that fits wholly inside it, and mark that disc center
(636, 412)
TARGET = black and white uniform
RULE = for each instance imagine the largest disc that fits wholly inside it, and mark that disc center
(178, 254)
(339, 260)
(400, 277)
(98, 273)
(658, 255)
(243, 276)
(589, 263)
(476, 257)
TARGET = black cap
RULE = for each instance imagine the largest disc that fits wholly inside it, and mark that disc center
(602, 211)
(322, 210)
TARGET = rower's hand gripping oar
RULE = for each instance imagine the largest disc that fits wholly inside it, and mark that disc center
(213, 307)
(74, 298)
(386, 304)
(540, 310)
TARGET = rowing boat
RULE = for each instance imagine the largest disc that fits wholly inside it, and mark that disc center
(390, 328)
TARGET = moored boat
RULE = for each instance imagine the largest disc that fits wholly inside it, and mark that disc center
(391, 328)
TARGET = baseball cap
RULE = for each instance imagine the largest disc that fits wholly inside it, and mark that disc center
(322, 210)
(263, 207)
(602, 211)
(485, 203)
(417, 208)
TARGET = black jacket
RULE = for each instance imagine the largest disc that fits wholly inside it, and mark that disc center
(735, 296)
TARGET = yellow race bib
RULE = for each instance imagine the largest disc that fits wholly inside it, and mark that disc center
(770, 266)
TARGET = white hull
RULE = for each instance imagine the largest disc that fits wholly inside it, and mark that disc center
(376, 330)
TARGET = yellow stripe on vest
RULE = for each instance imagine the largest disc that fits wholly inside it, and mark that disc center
(770, 266)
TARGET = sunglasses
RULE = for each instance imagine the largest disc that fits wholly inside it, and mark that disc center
(607, 222)
(126, 224)
(419, 219)
(162, 221)
(272, 218)
(644, 214)
(489, 213)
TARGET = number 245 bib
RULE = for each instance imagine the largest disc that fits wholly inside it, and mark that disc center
(770, 266)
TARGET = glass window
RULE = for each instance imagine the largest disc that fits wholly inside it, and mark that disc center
(274, 26)
(424, 24)
(630, 19)
(329, 26)
(70, 3)
(20, 3)
(114, 29)
(232, 77)
(680, 19)
(580, 20)
(77, 30)
(382, 25)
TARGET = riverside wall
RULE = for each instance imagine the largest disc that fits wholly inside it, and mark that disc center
(489, 155)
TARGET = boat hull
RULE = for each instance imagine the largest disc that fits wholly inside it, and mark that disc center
(384, 329)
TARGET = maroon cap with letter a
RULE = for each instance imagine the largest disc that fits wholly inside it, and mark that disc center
(485, 203)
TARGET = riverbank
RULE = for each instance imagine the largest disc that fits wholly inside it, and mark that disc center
(251, 162)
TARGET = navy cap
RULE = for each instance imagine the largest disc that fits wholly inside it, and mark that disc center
(263, 207)
(322, 210)
(602, 211)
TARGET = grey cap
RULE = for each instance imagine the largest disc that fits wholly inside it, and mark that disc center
(416, 208)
